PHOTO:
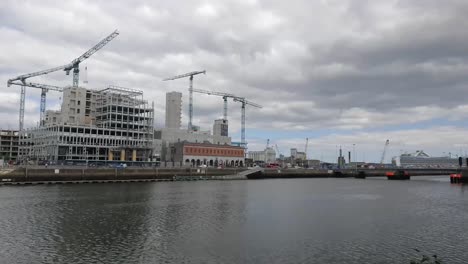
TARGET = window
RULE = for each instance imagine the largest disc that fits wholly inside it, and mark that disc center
(78, 110)
(78, 102)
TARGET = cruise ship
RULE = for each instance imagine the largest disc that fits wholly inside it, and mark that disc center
(421, 159)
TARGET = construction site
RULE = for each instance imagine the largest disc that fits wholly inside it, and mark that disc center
(115, 125)
(92, 125)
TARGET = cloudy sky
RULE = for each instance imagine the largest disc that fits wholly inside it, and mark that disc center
(340, 72)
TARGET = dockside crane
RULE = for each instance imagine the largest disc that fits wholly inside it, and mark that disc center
(244, 103)
(277, 150)
(224, 95)
(74, 65)
(384, 151)
(235, 98)
(190, 74)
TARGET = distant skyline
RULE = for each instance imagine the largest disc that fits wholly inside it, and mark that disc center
(339, 72)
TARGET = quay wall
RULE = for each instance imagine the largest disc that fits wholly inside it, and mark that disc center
(304, 173)
(167, 174)
(109, 174)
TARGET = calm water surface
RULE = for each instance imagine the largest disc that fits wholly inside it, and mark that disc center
(264, 221)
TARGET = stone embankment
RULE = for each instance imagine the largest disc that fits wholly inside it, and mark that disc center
(305, 173)
(90, 175)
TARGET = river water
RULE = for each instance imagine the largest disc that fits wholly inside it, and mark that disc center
(256, 221)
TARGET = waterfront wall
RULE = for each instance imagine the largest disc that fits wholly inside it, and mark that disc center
(107, 174)
(113, 174)
(304, 173)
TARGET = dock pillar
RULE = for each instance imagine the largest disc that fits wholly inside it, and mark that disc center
(122, 155)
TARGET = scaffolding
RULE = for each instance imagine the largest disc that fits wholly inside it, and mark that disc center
(123, 131)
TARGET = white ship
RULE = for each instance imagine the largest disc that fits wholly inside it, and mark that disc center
(420, 159)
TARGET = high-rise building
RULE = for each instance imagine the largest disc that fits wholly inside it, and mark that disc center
(220, 128)
(173, 109)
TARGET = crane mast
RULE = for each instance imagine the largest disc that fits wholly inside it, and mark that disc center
(235, 98)
(190, 75)
(75, 64)
(244, 103)
(224, 95)
(277, 150)
(384, 151)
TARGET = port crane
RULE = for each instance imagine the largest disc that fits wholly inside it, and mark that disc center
(384, 151)
(224, 95)
(74, 65)
(277, 150)
(244, 102)
(190, 75)
(235, 98)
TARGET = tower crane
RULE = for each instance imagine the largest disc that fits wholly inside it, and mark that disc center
(235, 99)
(190, 74)
(75, 64)
(277, 150)
(244, 103)
(224, 95)
(384, 151)
(21, 79)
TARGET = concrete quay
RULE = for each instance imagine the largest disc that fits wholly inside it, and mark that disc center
(22, 176)
(37, 175)
(345, 173)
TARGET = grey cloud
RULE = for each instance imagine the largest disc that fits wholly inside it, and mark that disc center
(332, 63)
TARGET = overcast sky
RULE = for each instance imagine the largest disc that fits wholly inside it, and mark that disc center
(338, 72)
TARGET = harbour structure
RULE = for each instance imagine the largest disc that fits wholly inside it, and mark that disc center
(421, 159)
(9, 140)
(212, 155)
(112, 124)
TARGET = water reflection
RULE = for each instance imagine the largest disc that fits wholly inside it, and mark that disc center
(268, 221)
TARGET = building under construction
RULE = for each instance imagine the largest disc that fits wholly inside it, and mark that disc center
(113, 124)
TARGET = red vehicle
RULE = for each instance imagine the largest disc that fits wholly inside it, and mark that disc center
(272, 165)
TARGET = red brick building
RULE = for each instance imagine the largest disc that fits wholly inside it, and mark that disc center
(196, 154)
